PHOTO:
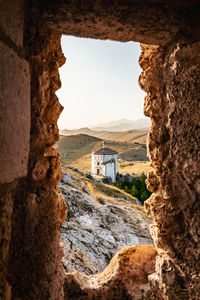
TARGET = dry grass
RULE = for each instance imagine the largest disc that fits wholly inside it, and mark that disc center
(132, 156)
(136, 167)
(130, 136)
(84, 163)
(108, 192)
(103, 190)
(74, 147)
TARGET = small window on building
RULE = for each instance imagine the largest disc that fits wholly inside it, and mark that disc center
(98, 163)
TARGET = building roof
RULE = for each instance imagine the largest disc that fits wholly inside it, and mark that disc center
(105, 151)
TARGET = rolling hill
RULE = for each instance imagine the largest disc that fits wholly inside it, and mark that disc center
(76, 151)
(74, 147)
(130, 136)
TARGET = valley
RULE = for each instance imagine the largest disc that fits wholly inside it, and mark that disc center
(75, 150)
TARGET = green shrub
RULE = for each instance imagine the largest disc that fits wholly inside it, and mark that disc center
(137, 187)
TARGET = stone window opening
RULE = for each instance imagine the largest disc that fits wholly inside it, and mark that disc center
(32, 208)
(116, 240)
(152, 56)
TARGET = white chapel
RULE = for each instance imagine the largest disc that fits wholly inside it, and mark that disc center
(105, 162)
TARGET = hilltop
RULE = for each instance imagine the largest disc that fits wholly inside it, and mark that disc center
(130, 136)
(74, 147)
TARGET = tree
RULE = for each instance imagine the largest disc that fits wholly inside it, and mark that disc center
(137, 187)
(144, 195)
(134, 191)
(126, 188)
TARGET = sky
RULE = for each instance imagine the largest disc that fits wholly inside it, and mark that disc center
(99, 82)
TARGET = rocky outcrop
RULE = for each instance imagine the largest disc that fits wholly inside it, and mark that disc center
(170, 77)
(152, 22)
(95, 230)
(66, 178)
(126, 277)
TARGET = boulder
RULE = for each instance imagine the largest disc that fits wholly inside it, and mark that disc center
(102, 201)
(89, 176)
(123, 278)
(67, 178)
(77, 170)
(107, 180)
(85, 190)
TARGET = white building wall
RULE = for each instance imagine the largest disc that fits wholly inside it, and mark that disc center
(107, 157)
(109, 169)
(116, 159)
(97, 161)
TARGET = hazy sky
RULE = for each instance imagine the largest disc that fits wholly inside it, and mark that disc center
(99, 82)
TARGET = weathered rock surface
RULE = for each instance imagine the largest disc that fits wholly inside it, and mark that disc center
(126, 277)
(95, 230)
(66, 178)
(171, 79)
(31, 206)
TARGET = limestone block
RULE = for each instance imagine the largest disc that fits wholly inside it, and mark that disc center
(15, 115)
(51, 151)
(12, 19)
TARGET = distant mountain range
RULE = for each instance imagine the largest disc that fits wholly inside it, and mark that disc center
(118, 131)
(123, 125)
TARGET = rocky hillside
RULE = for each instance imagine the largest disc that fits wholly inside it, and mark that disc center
(101, 220)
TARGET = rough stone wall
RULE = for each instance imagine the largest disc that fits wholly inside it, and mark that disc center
(14, 102)
(147, 21)
(126, 277)
(31, 207)
(14, 123)
(171, 79)
(39, 207)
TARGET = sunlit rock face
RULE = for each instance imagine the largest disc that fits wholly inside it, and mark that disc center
(171, 79)
(93, 231)
(126, 277)
(31, 207)
(155, 22)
